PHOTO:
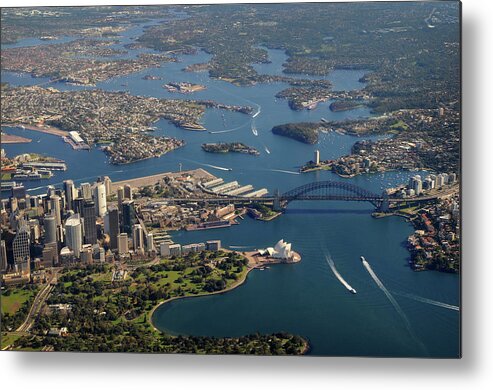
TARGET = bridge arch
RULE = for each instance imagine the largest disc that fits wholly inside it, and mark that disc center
(331, 190)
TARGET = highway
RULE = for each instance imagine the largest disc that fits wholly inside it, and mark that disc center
(38, 303)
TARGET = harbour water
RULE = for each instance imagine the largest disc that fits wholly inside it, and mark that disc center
(304, 298)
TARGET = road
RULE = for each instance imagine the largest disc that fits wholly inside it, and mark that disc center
(38, 303)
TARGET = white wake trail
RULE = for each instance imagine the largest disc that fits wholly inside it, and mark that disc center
(283, 171)
(338, 275)
(428, 301)
(394, 303)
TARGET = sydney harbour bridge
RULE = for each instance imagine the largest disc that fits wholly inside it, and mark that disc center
(316, 191)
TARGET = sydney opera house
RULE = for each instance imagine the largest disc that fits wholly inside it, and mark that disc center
(282, 251)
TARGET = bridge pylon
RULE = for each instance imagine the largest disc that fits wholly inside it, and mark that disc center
(384, 205)
(276, 206)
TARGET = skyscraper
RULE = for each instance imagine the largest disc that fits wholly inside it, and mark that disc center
(89, 214)
(150, 242)
(73, 234)
(107, 184)
(121, 197)
(129, 217)
(20, 246)
(114, 227)
(138, 238)
(123, 244)
(69, 188)
(50, 229)
(127, 192)
(56, 209)
(85, 191)
(78, 205)
(100, 199)
(316, 158)
(3, 256)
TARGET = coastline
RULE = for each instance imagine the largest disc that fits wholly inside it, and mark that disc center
(47, 130)
(14, 139)
(252, 264)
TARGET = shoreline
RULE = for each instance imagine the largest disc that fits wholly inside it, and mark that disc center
(47, 130)
(14, 139)
(252, 265)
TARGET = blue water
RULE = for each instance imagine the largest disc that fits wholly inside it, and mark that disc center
(304, 298)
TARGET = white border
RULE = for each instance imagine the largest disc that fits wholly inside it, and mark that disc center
(474, 371)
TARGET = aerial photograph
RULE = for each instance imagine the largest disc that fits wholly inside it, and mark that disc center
(259, 179)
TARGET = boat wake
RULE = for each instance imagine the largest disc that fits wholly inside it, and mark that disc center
(338, 275)
(254, 129)
(283, 171)
(392, 300)
(266, 150)
(229, 130)
(207, 165)
(428, 301)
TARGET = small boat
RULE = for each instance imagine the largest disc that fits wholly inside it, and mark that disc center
(352, 291)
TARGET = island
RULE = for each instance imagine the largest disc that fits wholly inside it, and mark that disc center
(234, 147)
(305, 132)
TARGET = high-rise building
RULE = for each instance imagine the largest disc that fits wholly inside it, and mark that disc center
(123, 244)
(316, 158)
(138, 238)
(3, 256)
(50, 191)
(19, 192)
(21, 249)
(85, 191)
(50, 254)
(86, 254)
(127, 192)
(49, 224)
(213, 245)
(89, 214)
(120, 196)
(129, 218)
(70, 195)
(73, 234)
(107, 184)
(78, 205)
(114, 227)
(56, 208)
(150, 242)
(100, 199)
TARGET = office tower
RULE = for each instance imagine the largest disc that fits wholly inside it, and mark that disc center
(213, 245)
(129, 217)
(120, 196)
(78, 205)
(13, 204)
(50, 191)
(107, 185)
(127, 192)
(114, 226)
(86, 255)
(69, 189)
(50, 229)
(316, 158)
(150, 242)
(21, 250)
(50, 254)
(73, 234)
(123, 244)
(98, 253)
(138, 238)
(56, 209)
(34, 230)
(89, 215)
(3, 256)
(86, 191)
(100, 199)
(19, 192)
